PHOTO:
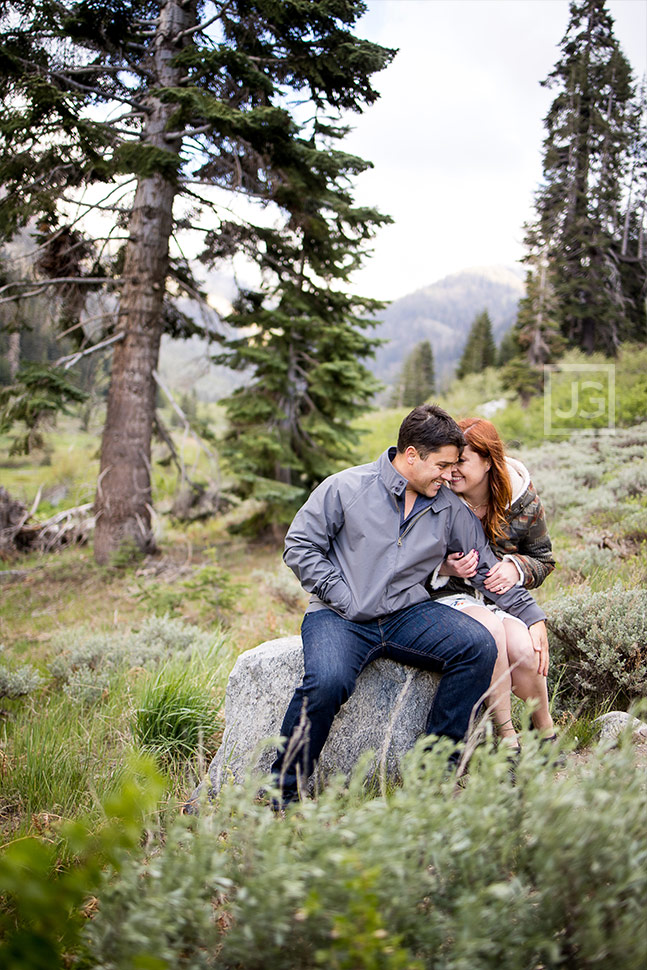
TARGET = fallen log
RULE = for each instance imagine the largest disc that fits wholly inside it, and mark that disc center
(18, 534)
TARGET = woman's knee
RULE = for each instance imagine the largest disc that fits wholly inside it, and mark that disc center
(521, 652)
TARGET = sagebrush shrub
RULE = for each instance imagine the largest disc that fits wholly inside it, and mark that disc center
(87, 667)
(599, 644)
(631, 482)
(19, 682)
(496, 876)
(588, 560)
(283, 586)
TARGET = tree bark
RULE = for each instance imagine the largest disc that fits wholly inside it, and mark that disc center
(124, 494)
(13, 353)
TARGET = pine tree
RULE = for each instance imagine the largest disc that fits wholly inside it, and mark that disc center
(302, 346)
(507, 349)
(536, 330)
(417, 380)
(579, 224)
(633, 247)
(136, 110)
(480, 349)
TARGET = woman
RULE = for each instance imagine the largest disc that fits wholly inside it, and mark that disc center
(499, 492)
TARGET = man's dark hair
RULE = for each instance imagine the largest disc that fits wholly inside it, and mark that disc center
(428, 428)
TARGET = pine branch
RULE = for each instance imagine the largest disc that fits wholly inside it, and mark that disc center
(191, 133)
(83, 323)
(62, 280)
(98, 92)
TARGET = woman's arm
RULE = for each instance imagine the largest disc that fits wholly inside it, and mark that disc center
(529, 545)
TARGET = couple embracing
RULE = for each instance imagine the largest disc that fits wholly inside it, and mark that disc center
(423, 556)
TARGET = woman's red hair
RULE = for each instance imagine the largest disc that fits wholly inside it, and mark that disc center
(483, 438)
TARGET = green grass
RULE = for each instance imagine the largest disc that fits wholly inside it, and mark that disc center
(61, 755)
(60, 759)
(176, 717)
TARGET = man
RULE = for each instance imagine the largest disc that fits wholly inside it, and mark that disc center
(364, 544)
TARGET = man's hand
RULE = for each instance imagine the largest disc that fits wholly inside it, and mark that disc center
(539, 639)
(502, 577)
(460, 564)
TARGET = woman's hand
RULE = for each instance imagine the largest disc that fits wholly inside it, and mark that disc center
(540, 642)
(460, 564)
(502, 577)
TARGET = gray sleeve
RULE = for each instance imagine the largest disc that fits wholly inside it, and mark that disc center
(467, 533)
(308, 543)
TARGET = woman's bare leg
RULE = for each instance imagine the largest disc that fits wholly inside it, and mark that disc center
(527, 684)
(499, 697)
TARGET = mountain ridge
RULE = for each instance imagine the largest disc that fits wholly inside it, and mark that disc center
(443, 313)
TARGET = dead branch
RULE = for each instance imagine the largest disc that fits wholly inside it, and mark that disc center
(68, 362)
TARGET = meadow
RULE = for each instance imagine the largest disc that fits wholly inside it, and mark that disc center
(112, 685)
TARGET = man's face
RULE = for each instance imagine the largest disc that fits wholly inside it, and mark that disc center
(427, 475)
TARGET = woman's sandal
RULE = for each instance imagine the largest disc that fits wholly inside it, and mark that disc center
(558, 760)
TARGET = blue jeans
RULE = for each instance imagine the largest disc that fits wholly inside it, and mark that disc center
(336, 650)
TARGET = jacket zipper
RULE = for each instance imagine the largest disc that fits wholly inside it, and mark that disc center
(412, 523)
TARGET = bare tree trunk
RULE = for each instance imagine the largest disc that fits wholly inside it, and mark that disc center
(124, 497)
(13, 353)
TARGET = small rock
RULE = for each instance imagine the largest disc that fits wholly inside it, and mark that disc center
(386, 713)
(616, 722)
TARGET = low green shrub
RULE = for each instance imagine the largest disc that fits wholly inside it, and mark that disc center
(587, 560)
(210, 590)
(547, 872)
(599, 644)
(282, 585)
(631, 482)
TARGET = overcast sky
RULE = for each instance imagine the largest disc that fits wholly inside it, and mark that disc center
(456, 135)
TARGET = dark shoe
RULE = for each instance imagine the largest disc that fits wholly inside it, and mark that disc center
(559, 760)
(512, 756)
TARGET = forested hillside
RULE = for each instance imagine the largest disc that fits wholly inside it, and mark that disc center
(443, 313)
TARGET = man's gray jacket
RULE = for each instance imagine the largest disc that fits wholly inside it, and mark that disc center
(347, 547)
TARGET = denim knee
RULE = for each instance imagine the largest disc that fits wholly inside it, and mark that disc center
(329, 689)
(487, 649)
(480, 644)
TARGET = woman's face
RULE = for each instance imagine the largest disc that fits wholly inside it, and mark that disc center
(470, 472)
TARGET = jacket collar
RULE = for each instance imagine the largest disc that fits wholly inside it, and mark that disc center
(396, 483)
(519, 477)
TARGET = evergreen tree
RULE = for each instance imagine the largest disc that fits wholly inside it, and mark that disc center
(633, 247)
(590, 130)
(507, 349)
(536, 330)
(480, 349)
(136, 110)
(417, 380)
(302, 346)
